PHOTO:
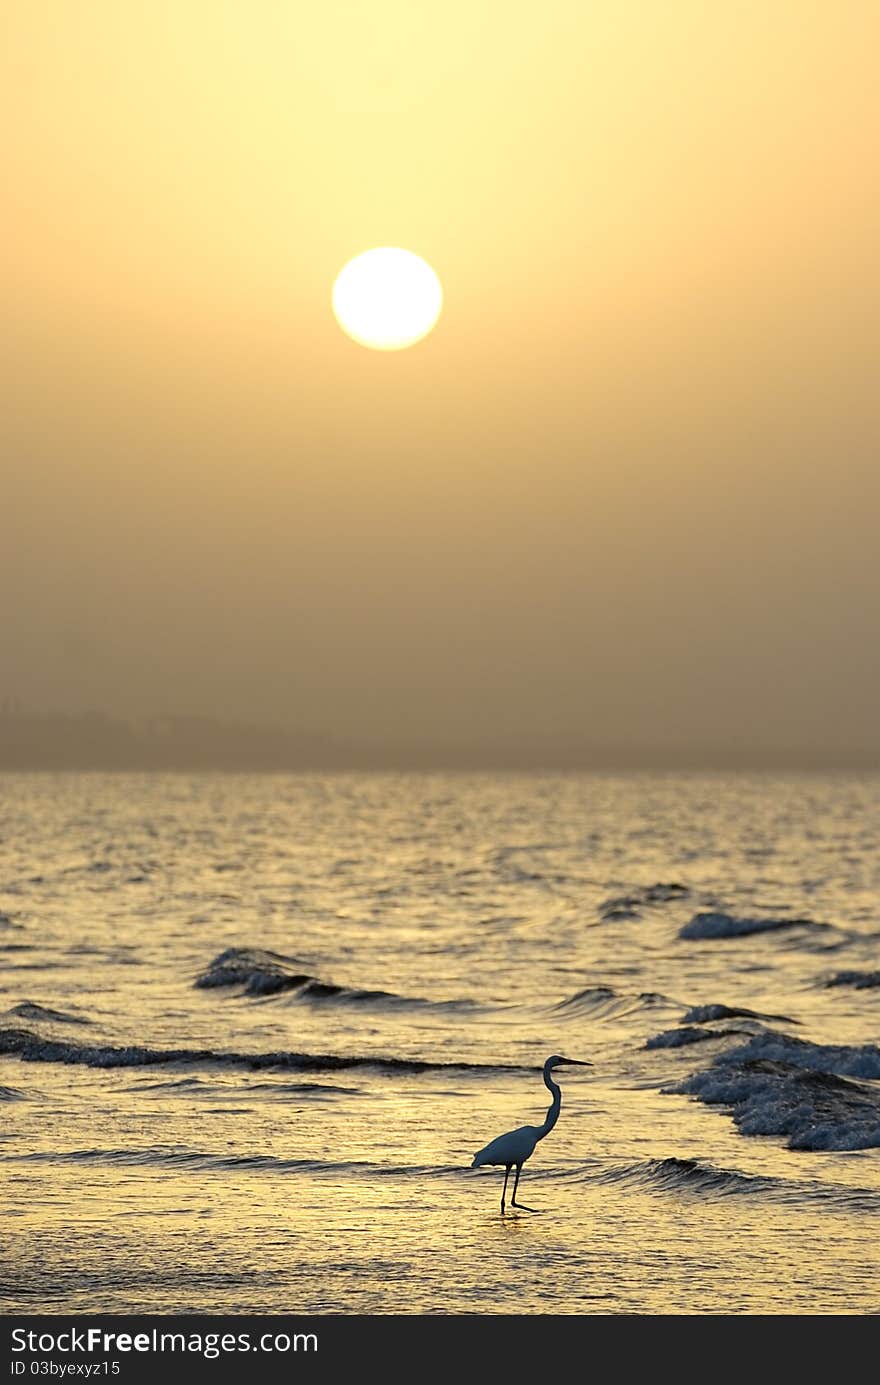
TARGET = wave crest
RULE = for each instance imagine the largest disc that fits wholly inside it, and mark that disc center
(262, 973)
(705, 1180)
(689, 1034)
(705, 1014)
(715, 924)
(629, 906)
(689, 1175)
(36, 1048)
(256, 970)
(859, 980)
(809, 1093)
(601, 1002)
(43, 1014)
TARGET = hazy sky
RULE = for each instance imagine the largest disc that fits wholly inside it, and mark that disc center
(627, 491)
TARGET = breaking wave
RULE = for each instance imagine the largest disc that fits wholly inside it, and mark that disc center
(258, 972)
(815, 1095)
(262, 973)
(847, 1060)
(35, 1048)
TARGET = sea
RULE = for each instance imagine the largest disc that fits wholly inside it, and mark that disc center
(254, 1028)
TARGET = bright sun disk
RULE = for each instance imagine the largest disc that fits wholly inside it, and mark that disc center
(387, 298)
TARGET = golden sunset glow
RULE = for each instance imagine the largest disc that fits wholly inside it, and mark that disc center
(656, 228)
(439, 785)
(387, 298)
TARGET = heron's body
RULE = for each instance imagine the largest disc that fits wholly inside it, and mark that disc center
(514, 1148)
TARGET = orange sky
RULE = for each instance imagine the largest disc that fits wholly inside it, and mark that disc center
(627, 491)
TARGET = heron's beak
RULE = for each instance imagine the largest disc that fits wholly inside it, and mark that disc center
(577, 1062)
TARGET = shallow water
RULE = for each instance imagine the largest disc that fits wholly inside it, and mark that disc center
(192, 1124)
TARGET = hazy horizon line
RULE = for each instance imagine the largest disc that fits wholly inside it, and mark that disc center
(96, 740)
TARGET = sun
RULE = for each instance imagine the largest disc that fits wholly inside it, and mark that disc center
(387, 298)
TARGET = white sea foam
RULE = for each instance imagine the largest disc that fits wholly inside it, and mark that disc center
(779, 1085)
(847, 1060)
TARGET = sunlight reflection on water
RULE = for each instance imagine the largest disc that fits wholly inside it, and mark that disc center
(500, 919)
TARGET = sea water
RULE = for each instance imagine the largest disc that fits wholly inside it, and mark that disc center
(253, 1030)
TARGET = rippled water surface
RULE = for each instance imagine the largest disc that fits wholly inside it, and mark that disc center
(254, 1029)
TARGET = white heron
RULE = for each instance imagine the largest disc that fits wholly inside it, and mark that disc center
(514, 1148)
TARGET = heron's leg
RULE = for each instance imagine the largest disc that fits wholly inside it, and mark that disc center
(504, 1189)
(513, 1201)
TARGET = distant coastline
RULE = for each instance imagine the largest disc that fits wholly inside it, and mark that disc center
(94, 740)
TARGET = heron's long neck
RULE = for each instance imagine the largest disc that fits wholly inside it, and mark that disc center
(555, 1106)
